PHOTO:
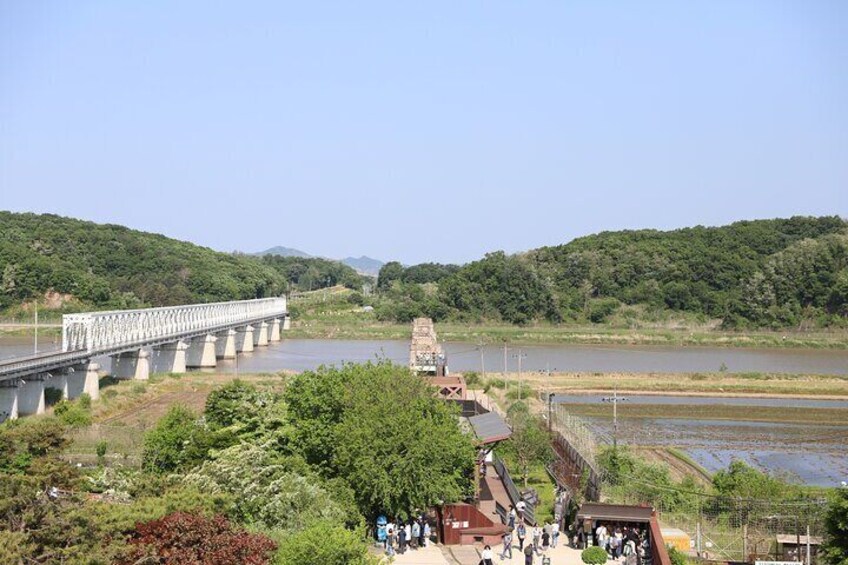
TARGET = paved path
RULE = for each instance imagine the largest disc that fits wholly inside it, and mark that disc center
(469, 555)
(430, 555)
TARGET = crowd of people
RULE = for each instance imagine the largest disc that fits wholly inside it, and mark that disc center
(401, 536)
(531, 540)
(620, 541)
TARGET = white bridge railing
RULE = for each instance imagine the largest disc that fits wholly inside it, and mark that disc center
(97, 331)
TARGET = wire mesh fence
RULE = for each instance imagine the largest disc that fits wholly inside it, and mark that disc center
(710, 526)
(118, 444)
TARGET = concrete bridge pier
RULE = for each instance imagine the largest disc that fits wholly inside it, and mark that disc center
(260, 334)
(201, 352)
(31, 395)
(225, 347)
(170, 357)
(274, 330)
(287, 323)
(244, 339)
(132, 365)
(57, 381)
(75, 382)
(91, 379)
(9, 399)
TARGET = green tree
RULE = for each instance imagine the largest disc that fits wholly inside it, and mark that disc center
(530, 443)
(835, 548)
(381, 429)
(178, 441)
(390, 272)
(740, 480)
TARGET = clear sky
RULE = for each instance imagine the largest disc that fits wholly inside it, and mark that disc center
(422, 130)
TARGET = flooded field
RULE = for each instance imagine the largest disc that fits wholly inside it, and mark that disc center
(809, 453)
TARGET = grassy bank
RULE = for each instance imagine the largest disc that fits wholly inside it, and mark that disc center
(713, 384)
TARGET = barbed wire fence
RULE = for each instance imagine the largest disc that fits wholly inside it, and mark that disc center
(717, 527)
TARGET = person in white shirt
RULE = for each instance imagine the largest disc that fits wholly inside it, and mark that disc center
(487, 556)
(554, 534)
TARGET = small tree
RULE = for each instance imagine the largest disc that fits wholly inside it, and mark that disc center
(179, 440)
(835, 549)
(530, 442)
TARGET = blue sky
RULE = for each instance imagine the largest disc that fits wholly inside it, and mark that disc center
(422, 131)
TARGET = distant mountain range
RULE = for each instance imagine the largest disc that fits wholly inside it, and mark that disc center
(363, 264)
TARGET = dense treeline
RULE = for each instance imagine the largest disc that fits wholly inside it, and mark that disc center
(108, 266)
(764, 273)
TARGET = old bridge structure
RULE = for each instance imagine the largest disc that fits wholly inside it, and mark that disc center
(175, 338)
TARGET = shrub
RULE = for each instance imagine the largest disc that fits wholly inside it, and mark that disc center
(138, 388)
(324, 544)
(182, 537)
(471, 378)
(52, 396)
(594, 555)
(496, 383)
(84, 401)
(601, 309)
(101, 448)
(72, 414)
(676, 556)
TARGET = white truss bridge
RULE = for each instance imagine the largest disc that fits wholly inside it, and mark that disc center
(173, 332)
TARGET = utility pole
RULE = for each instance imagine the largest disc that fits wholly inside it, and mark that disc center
(504, 371)
(615, 399)
(35, 344)
(519, 356)
(482, 361)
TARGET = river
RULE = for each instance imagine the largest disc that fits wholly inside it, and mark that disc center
(303, 354)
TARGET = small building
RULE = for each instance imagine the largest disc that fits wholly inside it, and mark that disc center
(425, 354)
(642, 518)
(788, 548)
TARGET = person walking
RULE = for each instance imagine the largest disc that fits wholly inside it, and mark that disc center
(401, 539)
(507, 545)
(421, 527)
(390, 542)
(528, 555)
(537, 539)
(522, 533)
(427, 533)
(512, 517)
(487, 556)
(554, 534)
(416, 534)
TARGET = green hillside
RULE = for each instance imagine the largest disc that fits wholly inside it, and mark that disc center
(763, 273)
(83, 264)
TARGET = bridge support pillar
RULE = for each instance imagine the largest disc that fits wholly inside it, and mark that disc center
(75, 382)
(260, 334)
(91, 384)
(170, 357)
(31, 396)
(225, 347)
(274, 330)
(9, 399)
(287, 323)
(58, 382)
(201, 352)
(132, 365)
(244, 339)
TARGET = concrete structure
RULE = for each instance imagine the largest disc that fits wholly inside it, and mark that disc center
(170, 357)
(57, 381)
(180, 337)
(131, 365)
(91, 379)
(244, 339)
(274, 330)
(287, 323)
(225, 347)
(260, 334)
(9, 399)
(31, 395)
(201, 352)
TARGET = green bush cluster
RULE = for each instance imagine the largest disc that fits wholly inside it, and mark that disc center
(593, 555)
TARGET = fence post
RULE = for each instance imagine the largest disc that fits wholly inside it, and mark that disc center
(698, 538)
(808, 544)
(744, 542)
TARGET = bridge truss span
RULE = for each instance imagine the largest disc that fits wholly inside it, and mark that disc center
(96, 332)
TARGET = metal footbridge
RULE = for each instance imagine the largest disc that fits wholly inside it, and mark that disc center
(95, 334)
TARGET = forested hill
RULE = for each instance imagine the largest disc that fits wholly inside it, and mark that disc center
(82, 264)
(763, 273)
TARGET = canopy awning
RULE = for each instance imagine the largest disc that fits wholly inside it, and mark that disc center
(489, 428)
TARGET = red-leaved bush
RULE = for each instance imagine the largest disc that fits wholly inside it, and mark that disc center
(187, 539)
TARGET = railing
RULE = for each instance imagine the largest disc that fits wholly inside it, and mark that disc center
(96, 331)
(513, 492)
